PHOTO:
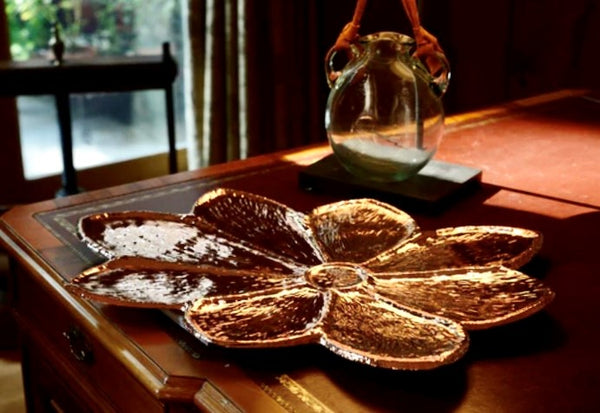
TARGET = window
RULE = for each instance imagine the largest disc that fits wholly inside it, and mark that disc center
(109, 127)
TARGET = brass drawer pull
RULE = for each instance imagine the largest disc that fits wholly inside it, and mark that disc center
(78, 345)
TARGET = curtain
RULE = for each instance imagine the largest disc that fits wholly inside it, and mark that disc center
(10, 155)
(257, 77)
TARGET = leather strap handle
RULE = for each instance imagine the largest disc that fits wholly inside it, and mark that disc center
(428, 49)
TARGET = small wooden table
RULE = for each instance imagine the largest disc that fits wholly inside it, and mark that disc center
(89, 75)
(540, 161)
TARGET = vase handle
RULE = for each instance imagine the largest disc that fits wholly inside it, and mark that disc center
(437, 68)
(346, 41)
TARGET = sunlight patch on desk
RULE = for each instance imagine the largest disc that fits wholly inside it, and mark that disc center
(554, 208)
(307, 156)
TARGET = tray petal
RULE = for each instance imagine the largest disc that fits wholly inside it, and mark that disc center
(461, 247)
(139, 282)
(262, 222)
(175, 238)
(477, 298)
(381, 333)
(356, 230)
(280, 317)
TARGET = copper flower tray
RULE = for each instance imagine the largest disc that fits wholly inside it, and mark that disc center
(357, 276)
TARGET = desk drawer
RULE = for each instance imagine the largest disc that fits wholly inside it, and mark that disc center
(51, 385)
(77, 356)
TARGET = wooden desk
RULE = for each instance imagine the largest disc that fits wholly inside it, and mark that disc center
(540, 161)
(109, 74)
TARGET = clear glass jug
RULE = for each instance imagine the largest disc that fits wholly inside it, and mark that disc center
(384, 115)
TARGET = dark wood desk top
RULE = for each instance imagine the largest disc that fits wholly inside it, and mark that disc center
(540, 160)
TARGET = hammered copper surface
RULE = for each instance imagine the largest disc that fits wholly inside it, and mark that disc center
(357, 276)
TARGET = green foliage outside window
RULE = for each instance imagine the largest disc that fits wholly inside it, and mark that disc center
(103, 27)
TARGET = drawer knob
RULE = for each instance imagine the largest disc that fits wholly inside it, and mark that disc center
(78, 345)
